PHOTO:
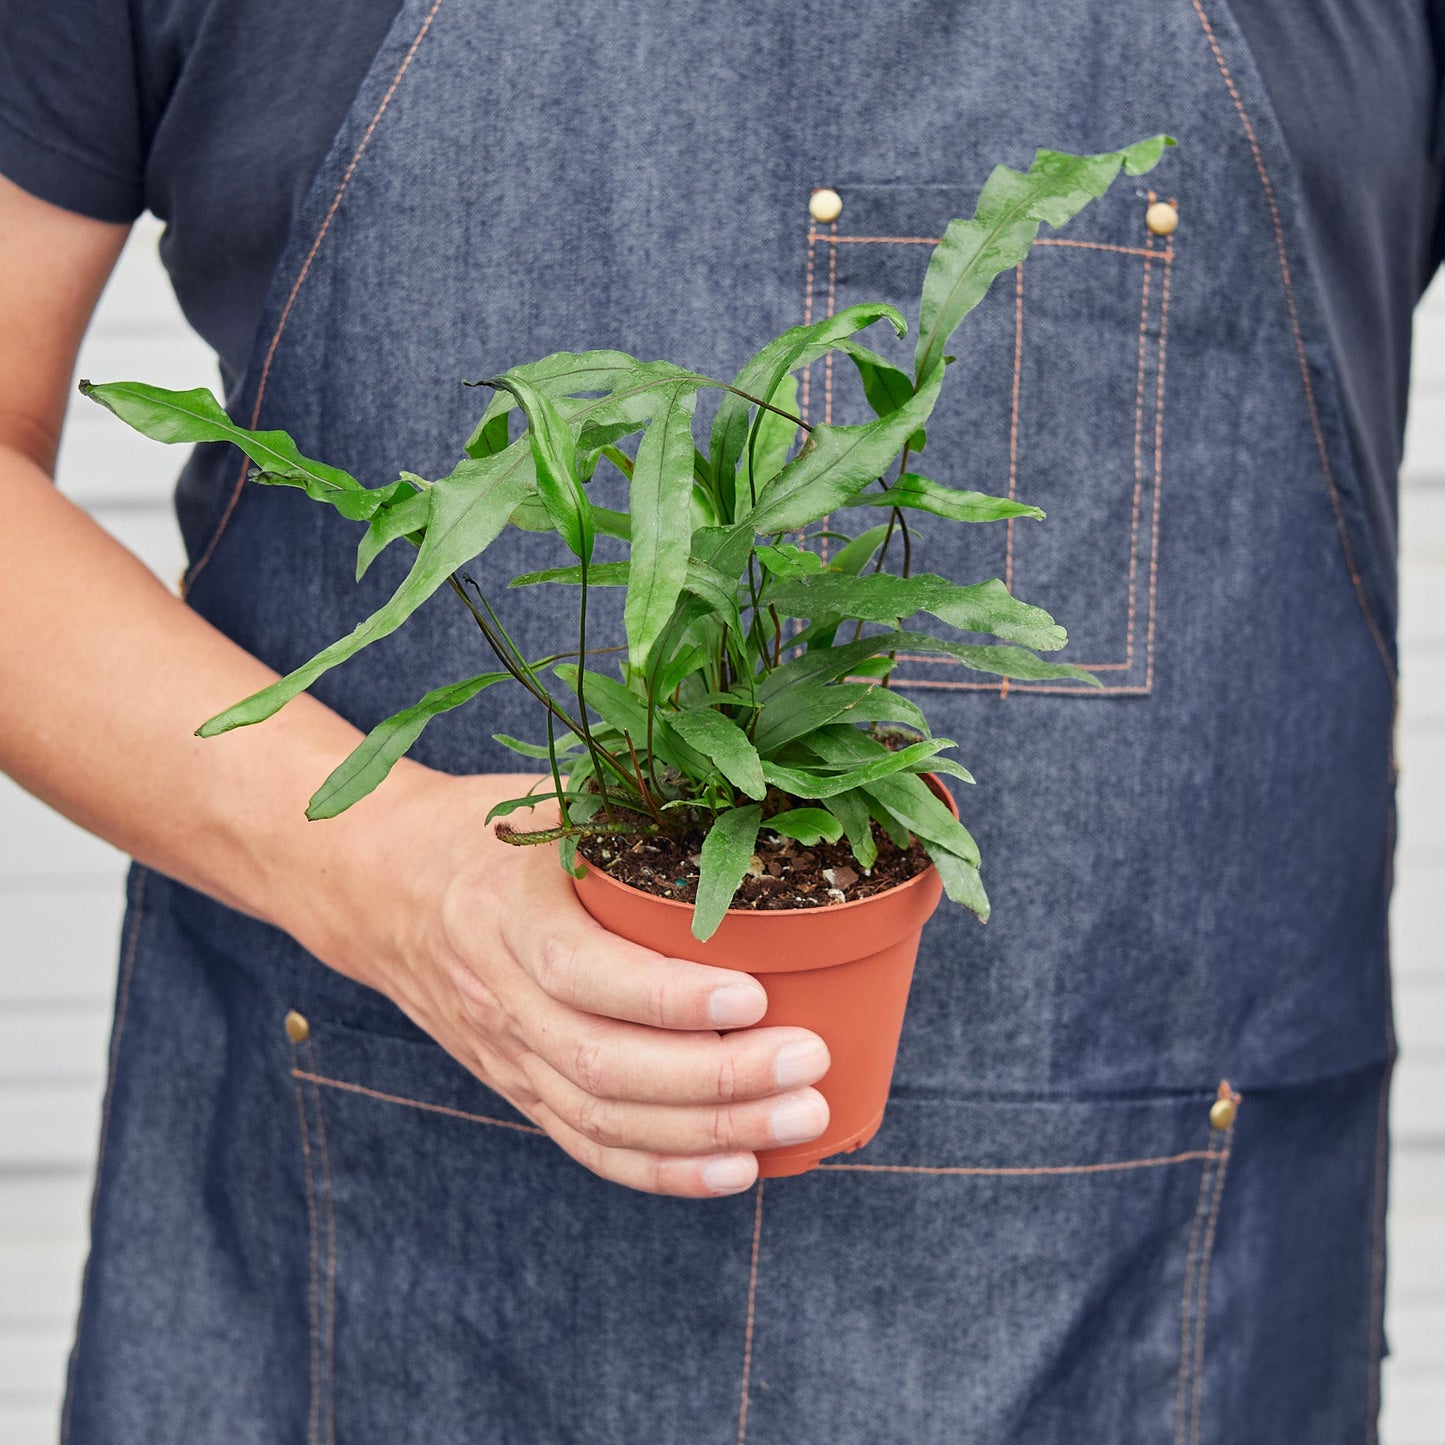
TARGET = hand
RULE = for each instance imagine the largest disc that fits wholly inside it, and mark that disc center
(609, 1047)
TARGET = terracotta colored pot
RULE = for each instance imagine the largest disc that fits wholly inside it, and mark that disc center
(842, 971)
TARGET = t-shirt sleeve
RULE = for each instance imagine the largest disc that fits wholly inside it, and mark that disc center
(70, 113)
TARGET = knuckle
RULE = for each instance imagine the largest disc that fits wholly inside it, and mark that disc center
(597, 1120)
(591, 1071)
(728, 1080)
(723, 1131)
(555, 966)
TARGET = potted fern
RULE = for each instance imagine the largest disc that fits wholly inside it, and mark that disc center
(735, 781)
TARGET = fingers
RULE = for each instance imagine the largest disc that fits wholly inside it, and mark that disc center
(612, 1060)
(685, 1177)
(582, 965)
(689, 1129)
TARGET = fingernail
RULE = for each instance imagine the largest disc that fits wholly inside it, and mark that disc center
(727, 1176)
(800, 1118)
(802, 1062)
(735, 1005)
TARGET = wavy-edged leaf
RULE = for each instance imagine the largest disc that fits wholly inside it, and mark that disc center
(718, 737)
(659, 497)
(807, 825)
(916, 807)
(885, 386)
(961, 880)
(986, 607)
(723, 860)
(538, 750)
(835, 465)
(850, 808)
(469, 508)
(405, 516)
(827, 782)
(196, 416)
(770, 440)
(764, 372)
(554, 456)
(922, 495)
(789, 560)
(1011, 207)
(380, 750)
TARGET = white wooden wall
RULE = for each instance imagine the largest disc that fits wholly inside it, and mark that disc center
(60, 904)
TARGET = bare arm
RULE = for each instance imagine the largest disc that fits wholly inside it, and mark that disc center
(104, 675)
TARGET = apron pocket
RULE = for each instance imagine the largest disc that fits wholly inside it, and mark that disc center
(991, 1270)
(1056, 399)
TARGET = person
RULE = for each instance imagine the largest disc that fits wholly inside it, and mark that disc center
(1132, 1176)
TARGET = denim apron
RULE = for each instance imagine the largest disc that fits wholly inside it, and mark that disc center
(1069, 1228)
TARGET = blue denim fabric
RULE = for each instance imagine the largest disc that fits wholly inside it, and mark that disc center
(354, 1240)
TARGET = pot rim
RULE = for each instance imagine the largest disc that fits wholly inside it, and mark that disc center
(830, 910)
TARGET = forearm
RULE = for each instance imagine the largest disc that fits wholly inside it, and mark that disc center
(104, 677)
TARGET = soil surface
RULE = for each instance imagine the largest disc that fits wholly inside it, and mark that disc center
(784, 872)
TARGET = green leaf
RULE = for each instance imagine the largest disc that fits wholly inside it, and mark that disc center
(469, 508)
(762, 375)
(491, 435)
(855, 556)
(719, 738)
(554, 455)
(726, 852)
(627, 713)
(769, 442)
(789, 560)
(850, 808)
(881, 597)
(836, 464)
(378, 752)
(884, 385)
(659, 496)
(922, 495)
(406, 516)
(961, 880)
(807, 825)
(915, 806)
(599, 574)
(885, 762)
(798, 710)
(536, 750)
(196, 416)
(1011, 207)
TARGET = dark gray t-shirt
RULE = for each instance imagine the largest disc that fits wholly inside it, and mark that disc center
(215, 114)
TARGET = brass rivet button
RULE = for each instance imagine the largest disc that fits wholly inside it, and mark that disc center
(297, 1029)
(825, 205)
(1161, 218)
(1221, 1113)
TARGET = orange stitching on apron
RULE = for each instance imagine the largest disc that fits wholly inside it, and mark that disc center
(1158, 466)
(1150, 254)
(1138, 466)
(934, 240)
(1108, 1168)
(828, 359)
(748, 1332)
(127, 970)
(1299, 345)
(330, 1341)
(1186, 1298)
(807, 321)
(418, 1104)
(1141, 690)
(301, 276)
(1013, 439)
(314, 1288)
(1203, 1310)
